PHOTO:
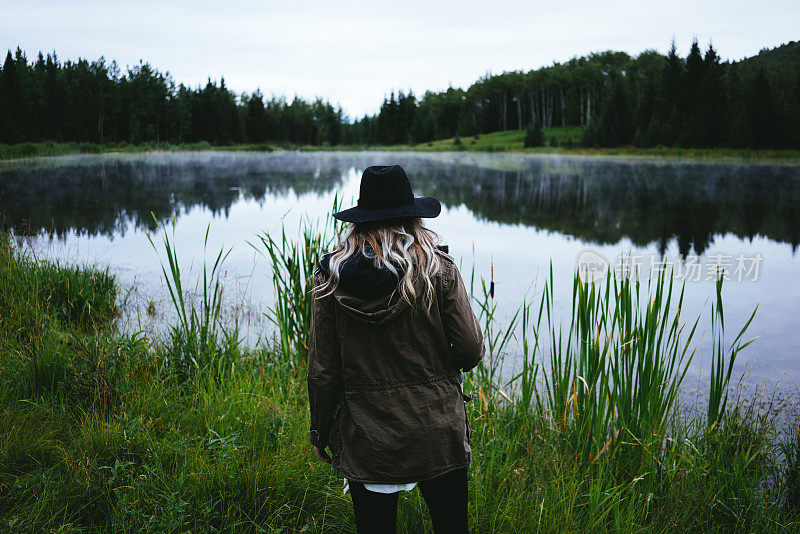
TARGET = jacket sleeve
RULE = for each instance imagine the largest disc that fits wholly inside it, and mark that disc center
(460, 324)
(324, 373)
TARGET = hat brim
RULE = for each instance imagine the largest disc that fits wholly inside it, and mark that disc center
(426, 207)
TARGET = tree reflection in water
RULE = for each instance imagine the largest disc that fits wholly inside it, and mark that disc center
(595, 200)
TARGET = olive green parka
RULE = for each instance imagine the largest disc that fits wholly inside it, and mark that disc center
(384, 379)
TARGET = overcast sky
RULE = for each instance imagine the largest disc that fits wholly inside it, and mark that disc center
(355, 52)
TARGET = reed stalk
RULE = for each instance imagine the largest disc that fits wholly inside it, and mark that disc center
(200, 344)
(292, 266)
(615, 371)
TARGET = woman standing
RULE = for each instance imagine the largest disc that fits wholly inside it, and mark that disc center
(391, 331)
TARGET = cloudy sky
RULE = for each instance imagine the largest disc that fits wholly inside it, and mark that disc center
(355, 52)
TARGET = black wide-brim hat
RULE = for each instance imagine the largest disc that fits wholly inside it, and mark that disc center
(386, 194)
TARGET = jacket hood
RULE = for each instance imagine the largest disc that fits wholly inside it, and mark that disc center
(368, 293)
(365, 291)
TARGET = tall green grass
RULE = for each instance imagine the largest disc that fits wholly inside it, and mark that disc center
(210, 449)
(293, 263)
(496, 337)
(49, 310)
(722, 359)
(616, 372)
(200, 344)
(30, 150)
(610, 380)
(83, 297)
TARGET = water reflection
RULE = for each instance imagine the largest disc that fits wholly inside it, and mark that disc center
(102, 195)
(596, 201)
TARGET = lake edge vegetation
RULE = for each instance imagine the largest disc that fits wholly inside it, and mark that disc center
(104, 430)
(609, 99)
(511, 141)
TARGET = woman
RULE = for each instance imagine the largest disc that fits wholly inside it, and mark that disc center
(391, 331)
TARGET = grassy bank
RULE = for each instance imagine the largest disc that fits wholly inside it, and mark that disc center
(104, 431)
(567, 141)
(557, 141)
(36, 150)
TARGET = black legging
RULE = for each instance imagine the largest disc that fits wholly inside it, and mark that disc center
(445, 495)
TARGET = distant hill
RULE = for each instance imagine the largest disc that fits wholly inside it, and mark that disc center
(785, 53)
(782, 67)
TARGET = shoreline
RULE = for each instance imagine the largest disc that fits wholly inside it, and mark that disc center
(28, 151)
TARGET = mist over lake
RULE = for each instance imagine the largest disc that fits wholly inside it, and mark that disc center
(516, 213)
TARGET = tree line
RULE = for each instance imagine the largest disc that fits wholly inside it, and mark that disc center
(648, 100)
(84, 101)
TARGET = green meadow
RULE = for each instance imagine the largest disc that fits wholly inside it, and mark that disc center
(567, 140)
(104, 429)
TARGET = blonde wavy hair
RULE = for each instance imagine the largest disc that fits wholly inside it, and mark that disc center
(400, 246)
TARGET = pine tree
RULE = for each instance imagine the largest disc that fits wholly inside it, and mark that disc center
(9, 130)
(794, 111)
(406, 109)
(645, 134)
(665, 127)
(23, 103)
(533, 134)
(38, 118)
(691, 109)
(254, 118)
(5, 134)
(613, 126)
(761, 112)
(738, 118)
(713, 113)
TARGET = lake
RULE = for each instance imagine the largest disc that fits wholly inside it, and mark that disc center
(516, 213)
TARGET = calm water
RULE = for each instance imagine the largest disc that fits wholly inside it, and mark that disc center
(516, 212)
